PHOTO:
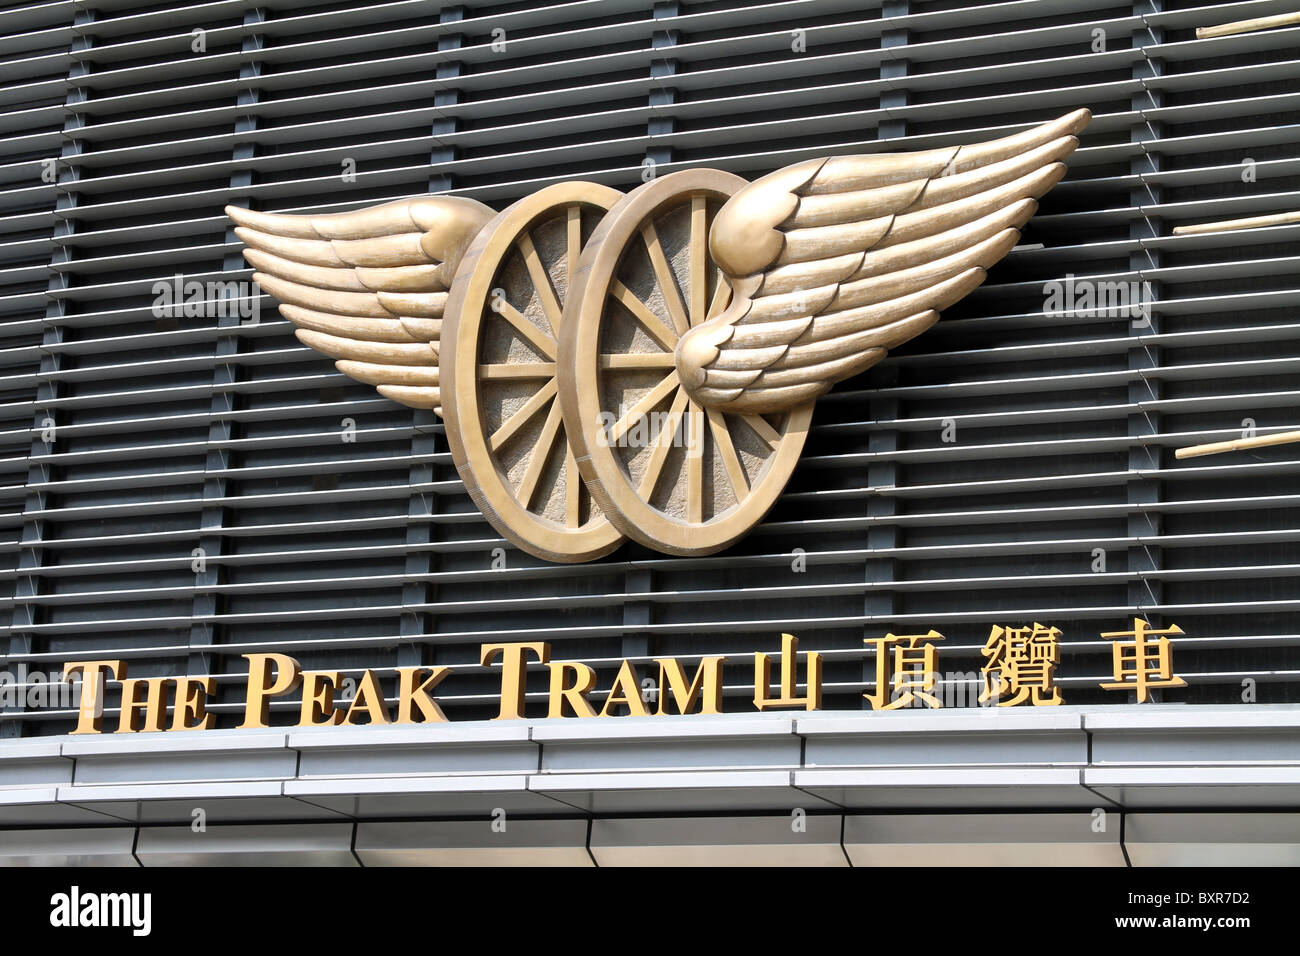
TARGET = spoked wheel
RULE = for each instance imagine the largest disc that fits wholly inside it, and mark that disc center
(498, 366)
(669, 473)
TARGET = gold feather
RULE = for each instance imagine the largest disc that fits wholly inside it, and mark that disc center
(367, 287)
(835, 261)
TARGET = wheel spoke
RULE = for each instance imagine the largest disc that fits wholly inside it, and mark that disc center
(572, 489)
(643, 407)
(699, 257)
(695, 464)
(573, 233)
(539, 339)
(663, 446)
(615, 360)
(541, 282)
(764, 430)
(517, 421)
(721, 296)
(727, 451)
(517, 370)
(667, 282)
(541, 452)
(641, 312)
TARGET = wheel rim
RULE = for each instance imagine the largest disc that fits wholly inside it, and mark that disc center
(499, 366)
(669, 473)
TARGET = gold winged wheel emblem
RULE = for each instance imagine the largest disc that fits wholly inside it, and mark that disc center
(645, 365)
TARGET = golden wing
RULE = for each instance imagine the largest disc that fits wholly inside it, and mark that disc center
(367, 287)
(835, 261)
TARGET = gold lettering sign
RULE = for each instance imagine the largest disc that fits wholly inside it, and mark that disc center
(1021, 666)
(694, 320)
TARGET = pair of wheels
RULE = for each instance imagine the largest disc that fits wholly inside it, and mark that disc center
(564, 412)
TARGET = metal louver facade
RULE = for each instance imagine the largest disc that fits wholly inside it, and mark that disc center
(180, 491)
